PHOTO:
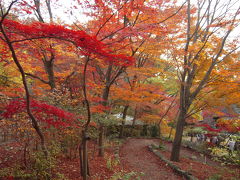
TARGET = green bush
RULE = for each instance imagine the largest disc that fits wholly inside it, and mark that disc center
(112, 162)
(40, 167)
(215, 177)
(132, 131)
(222, 155)
(201, 147)
(15, 172)
(113, 131)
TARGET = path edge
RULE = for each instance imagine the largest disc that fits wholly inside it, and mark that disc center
(185, 174)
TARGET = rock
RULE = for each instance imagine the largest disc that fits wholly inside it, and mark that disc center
(193, 157)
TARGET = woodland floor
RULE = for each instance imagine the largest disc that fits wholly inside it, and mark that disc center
(201, 166)
(136, 157)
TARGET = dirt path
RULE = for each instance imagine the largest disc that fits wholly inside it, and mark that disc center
(135, 155)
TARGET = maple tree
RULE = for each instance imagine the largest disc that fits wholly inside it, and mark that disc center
(38, 31)
(47, 55)
(121, 60)
(131, 32)
(199, 53)
(224, 83)
(53, 117)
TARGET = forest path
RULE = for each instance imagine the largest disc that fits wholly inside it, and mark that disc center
(135, 154)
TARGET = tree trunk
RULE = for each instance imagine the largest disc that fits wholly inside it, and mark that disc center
(159, 131)
(160, 135)
(49, 69)
(83, 148)
(34, 121)
(101, 129)
(101, 142)
(121, 134)
(81, 158)
(85, 164)
(170, 133)
(83, 155)
(178, 137)
(134, 117)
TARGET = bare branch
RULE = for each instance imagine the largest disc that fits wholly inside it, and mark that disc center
(48, 3)
(4, 15)
(36, 77)
(108, 19)
(38, 10)
(169, 17)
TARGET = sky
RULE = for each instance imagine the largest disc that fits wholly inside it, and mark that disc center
(78, 14)
(67, 13)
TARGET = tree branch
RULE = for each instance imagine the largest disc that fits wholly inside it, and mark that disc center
(36, 77)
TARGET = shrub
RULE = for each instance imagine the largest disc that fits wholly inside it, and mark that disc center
(127, 176)
(222, 155)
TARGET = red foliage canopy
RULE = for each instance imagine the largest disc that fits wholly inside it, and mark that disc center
(209, 128)
(51, 115)
(81, 39)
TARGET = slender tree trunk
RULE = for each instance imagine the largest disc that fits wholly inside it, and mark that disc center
(134, 117)
(102, 129)
(121, 134)
(101, 141)
(159, 131)
(165, 114)
(48, 3)
(85, 172)
(170, 133)
(160, 135)
(38, 10)
(27, 94)
(83, 152)
(81, 158)
(108, 82)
